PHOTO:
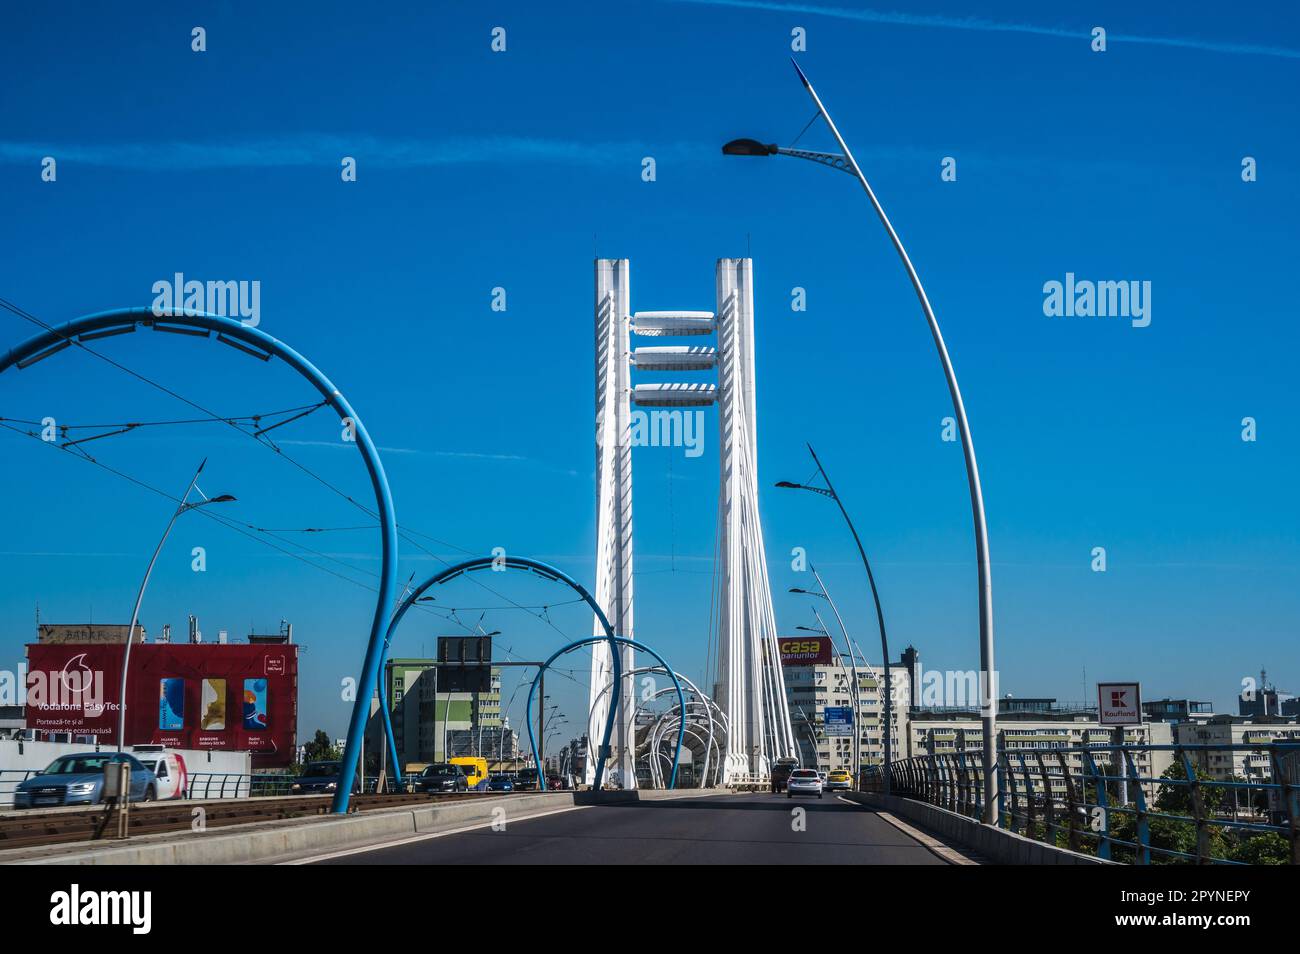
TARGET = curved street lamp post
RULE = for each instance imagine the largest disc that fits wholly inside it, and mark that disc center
(181, 508)
(845, 162)
(887, 698)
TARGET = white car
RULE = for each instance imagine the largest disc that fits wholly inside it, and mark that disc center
(168, 768)
(804, 782)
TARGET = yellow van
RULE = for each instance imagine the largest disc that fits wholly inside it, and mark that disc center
(475, 769)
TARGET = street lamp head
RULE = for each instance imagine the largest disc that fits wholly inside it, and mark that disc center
(223, 498)
(748, 147)
(796, 589)
(789, 485)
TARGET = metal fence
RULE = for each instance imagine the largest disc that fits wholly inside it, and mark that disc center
(215, 785)
(10, 779)
(1106, 800)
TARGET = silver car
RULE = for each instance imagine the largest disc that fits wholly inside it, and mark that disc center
(804, 782)
(79, 780)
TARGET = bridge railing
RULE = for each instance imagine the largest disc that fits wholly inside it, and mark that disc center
(1113, 801)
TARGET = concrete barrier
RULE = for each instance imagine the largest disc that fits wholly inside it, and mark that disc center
(269, 842)
(996, 845)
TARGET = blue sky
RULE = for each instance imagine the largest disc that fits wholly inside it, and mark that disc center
(479, 169)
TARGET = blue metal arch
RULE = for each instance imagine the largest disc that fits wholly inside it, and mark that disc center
(578, 643)
(258, 343)
(546, 571)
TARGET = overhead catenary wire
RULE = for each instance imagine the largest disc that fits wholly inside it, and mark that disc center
(403, 532)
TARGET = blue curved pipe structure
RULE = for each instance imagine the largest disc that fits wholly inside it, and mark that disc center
(259, 344)
(577, 644)
(548, 572)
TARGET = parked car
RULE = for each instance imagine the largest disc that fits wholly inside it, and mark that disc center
(804, 782)
(168, 769)
(321, 778)
(781, 770)
(501, 783)
(442, 777)
(838, 780)
(79, 780)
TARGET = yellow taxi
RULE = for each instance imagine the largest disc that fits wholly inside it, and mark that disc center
(839, 780)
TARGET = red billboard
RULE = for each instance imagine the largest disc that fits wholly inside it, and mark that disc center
(183, 695)
(805, 650)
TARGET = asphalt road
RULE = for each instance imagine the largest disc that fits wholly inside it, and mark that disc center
(720, 829)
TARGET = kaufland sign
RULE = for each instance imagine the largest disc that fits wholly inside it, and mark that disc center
(1119, 703)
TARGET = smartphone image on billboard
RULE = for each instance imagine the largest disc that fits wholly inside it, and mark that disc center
(171, 704)
(255, 695)
(214, 704)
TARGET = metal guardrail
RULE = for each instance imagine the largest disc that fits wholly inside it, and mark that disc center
(30, 829)
(1097, 800)
(10, 779)
(209, 785)
(230, 785)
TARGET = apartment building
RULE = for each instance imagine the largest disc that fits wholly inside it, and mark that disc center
(1031, 730)
(811, 689)
(1243, 763)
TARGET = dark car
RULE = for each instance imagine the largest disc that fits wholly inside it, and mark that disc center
(79, 780)
(501, 783)
(442, 777)
(526, 780)
(321, 778)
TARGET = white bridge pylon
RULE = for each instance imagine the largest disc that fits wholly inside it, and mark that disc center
(750, 691)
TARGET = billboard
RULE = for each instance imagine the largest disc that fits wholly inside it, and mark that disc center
(183, 695)
(86, 633)
(464, 664)
(1119, 703)
(805, 650)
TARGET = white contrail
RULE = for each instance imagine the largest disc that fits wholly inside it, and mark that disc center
(946, 22)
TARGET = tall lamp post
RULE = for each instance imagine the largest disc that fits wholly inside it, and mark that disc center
(886, 702)
(181, 508)
(845, 162)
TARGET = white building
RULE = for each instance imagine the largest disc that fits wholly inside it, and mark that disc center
(811, 689)
(1031, 733)
(1226, 764)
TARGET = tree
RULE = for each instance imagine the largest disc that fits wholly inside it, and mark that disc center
(321, 749)
(1176, 835)
(1268, 848)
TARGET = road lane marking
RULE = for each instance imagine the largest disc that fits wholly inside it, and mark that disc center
(414, 838)
(947, 853)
